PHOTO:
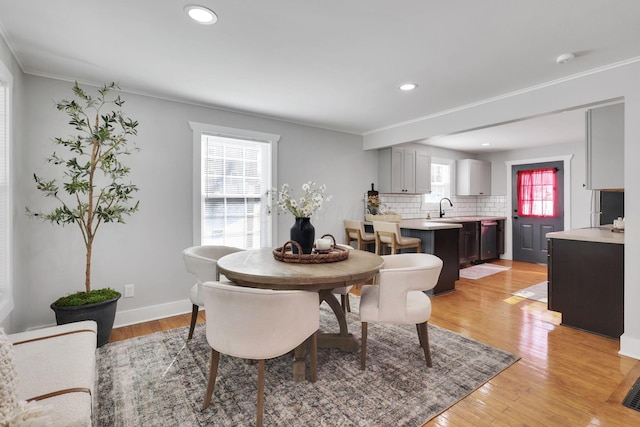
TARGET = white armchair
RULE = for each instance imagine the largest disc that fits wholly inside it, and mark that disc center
(258, 324)
(399, 297)
(202, 261)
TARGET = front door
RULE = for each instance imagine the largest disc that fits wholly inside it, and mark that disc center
(529, 231)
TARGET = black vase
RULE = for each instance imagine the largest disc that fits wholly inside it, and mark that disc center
(304, 233)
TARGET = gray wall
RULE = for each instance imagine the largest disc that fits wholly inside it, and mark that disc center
(147, 250)
(580, 198)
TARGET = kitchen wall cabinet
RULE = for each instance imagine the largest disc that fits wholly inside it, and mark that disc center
(402, 170)
(473, 177)
(605, 147)
(423, 173)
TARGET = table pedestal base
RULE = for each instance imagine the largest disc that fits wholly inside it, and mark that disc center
(343, 342)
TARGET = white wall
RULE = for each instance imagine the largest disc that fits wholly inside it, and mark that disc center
(147, 250)
(622, 81)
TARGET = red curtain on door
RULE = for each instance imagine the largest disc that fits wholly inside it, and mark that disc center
(537, 192)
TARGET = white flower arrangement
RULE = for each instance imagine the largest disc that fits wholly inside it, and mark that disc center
(312, 200)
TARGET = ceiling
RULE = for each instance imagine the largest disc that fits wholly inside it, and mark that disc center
(330, 63)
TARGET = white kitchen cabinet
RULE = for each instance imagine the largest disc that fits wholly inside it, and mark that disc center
(423, 173)
(403, 170)
(605, 147)
(473, 178)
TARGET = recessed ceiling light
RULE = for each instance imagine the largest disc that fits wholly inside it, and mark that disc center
(565, 57)
(201, 14)
(485, 144)
(408, 86)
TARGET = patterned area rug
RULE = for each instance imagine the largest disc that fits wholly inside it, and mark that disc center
(536, 292)
(481, 270)
(160, 380)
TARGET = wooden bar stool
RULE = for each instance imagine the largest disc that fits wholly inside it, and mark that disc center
(387, 234)
(354, 231)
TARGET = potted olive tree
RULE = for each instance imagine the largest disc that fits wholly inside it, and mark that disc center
(92, 191)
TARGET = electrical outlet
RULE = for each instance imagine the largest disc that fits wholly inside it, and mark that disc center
(128, 291)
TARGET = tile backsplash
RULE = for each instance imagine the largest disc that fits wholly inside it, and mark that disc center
(411, 205)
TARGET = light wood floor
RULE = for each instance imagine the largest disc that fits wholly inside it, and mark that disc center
(565, 377)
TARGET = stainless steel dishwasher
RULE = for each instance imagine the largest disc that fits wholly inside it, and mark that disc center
(488, 240)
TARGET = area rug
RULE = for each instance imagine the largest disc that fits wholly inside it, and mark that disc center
(160, 380)
(536, 292)
(481, 270)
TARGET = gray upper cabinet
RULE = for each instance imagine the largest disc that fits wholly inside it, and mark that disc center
(473, 177)
(605, 147)
(403, 170)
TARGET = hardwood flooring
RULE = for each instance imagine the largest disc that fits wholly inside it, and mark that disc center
(565, 377)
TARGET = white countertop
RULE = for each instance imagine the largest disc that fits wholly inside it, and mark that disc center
(425, 224)
(442, 223)
(602, 234)
(471, 218)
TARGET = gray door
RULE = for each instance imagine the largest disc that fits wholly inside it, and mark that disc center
(529, 241)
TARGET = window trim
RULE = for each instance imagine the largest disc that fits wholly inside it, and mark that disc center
(429, 204)
(6, 289)
(226, 132)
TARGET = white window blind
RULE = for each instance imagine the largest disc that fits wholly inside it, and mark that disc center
(235, 176)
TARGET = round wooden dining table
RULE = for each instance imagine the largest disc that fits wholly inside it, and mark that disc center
(259, 269)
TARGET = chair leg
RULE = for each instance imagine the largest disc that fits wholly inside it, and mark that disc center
(213, 372)
(260, 406)
(194, 317)
(363, 347)
(313, 349)
(423, 333)
(344, 301)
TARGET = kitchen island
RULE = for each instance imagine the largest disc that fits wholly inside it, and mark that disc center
(586, 279)
(440, 239)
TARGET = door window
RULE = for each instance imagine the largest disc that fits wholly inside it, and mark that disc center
(537, 192)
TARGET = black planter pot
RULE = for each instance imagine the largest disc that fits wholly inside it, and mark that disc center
(304, 233)
(104, 313)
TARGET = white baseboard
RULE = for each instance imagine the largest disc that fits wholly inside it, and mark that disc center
(154, 312)
(629, 346)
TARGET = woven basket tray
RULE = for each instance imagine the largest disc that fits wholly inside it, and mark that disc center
(336, 253)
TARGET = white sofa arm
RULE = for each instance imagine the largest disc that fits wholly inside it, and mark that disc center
(57, 366)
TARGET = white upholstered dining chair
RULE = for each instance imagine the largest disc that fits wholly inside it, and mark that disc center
(258, 324)
(399, 297)
(202, 262)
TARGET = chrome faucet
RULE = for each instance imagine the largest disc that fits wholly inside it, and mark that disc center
(450, 204)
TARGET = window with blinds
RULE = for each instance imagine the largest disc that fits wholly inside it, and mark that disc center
(233, 200)
(6, 300)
